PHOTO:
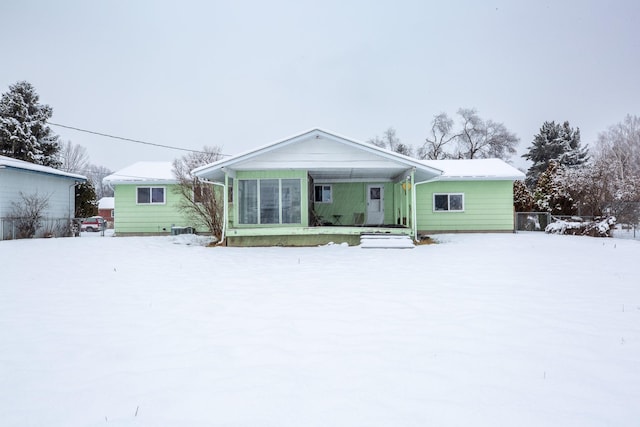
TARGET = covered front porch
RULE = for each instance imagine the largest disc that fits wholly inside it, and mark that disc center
(323, 208)
(314, 189)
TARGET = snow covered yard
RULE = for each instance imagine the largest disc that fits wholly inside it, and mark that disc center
(486, 330)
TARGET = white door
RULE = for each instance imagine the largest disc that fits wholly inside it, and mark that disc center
(375, 204)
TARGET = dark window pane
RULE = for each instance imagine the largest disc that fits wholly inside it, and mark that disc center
(455, 202)
(144, 195)
(374, 193)
(441, 202)
(157, 195)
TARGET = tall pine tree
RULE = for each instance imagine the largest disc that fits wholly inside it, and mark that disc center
(557, 142)
(24, 133)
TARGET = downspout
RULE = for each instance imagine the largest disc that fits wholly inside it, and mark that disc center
(225, 208)
(414, 214)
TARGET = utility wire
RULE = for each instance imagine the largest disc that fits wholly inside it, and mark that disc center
(137, 141)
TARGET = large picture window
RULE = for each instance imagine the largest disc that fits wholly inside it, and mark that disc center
(453, 202)
(150, 195)
(269, 201)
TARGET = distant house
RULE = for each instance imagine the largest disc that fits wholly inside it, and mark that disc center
(19, 179)
(144, 200)
(106, 209)
(318, 187)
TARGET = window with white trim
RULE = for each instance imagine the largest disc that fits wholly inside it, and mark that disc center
(269, 201)
(449, 202)
(150, 195)
(322, 193)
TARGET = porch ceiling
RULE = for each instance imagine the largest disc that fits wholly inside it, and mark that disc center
(367, 174)
(354, 174)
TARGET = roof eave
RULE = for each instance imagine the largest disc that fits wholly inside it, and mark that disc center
(207, 171)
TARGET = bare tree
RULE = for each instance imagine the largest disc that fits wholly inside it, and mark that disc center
(620, 145)
(484, 139)
(441, 135)
(391, 142)
(96, 174)
(73, 158)
(201, 202)
(28, 213)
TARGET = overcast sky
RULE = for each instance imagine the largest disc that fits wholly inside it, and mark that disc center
(241, 74)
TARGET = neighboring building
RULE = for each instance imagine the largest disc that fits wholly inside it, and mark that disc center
(144, 200)
(19, 178)
(318, 187)
(106, 210)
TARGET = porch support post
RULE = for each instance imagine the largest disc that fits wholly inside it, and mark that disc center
(225, 207)
(414, 215)
(407, 197)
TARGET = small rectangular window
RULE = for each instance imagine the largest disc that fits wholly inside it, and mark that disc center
(202, 193)
(150, 195)
(323, 194)
(448, 202)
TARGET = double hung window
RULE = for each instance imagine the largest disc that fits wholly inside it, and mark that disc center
(150, 195)
(322, 193)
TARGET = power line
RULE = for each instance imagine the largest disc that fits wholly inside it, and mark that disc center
(137, 141)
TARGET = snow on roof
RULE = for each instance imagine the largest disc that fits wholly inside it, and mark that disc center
(151, 172)
(464, 169)
(106, 203)
(8, 162)
(470, 169)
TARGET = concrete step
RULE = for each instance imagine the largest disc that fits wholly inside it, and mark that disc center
(385, 241)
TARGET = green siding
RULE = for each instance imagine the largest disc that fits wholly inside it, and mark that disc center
(488, 206)
(132, 218)
(350, 198)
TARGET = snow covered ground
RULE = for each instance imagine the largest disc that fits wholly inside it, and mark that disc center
(486, 330)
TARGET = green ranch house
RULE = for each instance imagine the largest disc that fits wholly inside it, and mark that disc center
(319, 187)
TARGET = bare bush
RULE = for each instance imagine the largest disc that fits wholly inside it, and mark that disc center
(28, 213)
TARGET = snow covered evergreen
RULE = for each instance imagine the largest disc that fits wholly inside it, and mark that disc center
(24, 133)
(557, 142)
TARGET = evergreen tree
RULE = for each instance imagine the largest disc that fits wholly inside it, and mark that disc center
(86, 204)
(522, 197)
(24, 133)
(557, 142)
(552, 194)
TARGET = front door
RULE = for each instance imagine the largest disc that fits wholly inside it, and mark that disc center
(375, 204)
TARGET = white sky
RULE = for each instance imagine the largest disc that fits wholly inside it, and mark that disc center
(243, 74)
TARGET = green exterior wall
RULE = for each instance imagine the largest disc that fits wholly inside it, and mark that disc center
(350, 198)
(133, 218)
(488, 206)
